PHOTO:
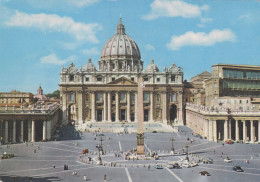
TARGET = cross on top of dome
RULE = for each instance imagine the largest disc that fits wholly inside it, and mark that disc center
(120, 27)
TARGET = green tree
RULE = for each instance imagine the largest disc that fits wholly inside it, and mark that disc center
(56, 94)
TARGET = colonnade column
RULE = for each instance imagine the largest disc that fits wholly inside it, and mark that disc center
(105, 106)
(6, 131)
(117, 107)
(226, 130)
(210, 130)
(258, 130)
(93, 108)
(64, 107)
(237, 131)
(215, 130)
(252, 130)
(109, 106)
(33, 131)
(21, 133)
(151, 106)
(29, 130)
(14, 132)
(128, 107)
(244, 130)
(48, 132)
(44, 128)
(206, 128)
(80, 106)
(164, 109)
(136, 109)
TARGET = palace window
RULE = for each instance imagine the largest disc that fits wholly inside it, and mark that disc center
(158, 79)
(87, 79)
(133, 79)
(113, 78)
(146, 79)
(99, 79)
(173, 97)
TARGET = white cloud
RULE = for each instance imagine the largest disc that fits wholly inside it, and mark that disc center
(200, 39)
(167, 8)
(92, 51)
(53, 59)
(53, 22)
(149, 47)
(81, 3)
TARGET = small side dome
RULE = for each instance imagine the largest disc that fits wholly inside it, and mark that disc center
(90, 66)
(152, 67)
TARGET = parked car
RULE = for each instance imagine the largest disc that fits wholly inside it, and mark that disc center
(238, 169)
(170, 166)
(158, 166)
(84, 151)
(229, 141)
(193, 164)
(204, 173)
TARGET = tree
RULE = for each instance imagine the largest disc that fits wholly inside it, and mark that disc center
(56, 94)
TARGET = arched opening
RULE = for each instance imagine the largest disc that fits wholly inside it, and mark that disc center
(173, 113)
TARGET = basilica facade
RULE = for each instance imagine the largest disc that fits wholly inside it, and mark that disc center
(109, 94)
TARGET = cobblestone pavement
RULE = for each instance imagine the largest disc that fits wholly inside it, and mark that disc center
(39, 166)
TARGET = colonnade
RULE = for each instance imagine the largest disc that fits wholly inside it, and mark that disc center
(24, 130)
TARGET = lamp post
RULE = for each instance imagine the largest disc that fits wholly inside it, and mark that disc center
(172, 139)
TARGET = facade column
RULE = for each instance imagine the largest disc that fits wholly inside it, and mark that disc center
(128, 107)
(21, 133)
(210, 130)
(105, 106)
(93, 107)
(226, 130)
(64, 107)
(44, 129)
(80, 106)
(14, 132)
(136, 109)
(252, 130)
(109, 106)
(229, 129)
(151, 107)
(33, 131)
(164, 109)
(117, 107)
(48, 132)
(244, 131)
(215, 130)
(6, 132)
(180, 108)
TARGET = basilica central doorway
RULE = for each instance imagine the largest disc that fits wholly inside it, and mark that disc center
(122, 115)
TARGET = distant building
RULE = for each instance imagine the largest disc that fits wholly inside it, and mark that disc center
(40, 96)
(15, 98)
(231, 109)
(109, 94)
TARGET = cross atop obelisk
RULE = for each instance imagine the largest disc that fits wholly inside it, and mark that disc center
(140, 117)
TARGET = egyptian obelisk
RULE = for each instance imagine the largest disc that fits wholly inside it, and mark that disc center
(140, 117)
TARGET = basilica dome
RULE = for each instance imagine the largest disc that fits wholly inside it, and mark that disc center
(152, 67)
(120, 46)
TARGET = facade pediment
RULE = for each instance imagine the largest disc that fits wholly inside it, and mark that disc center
(122, 81)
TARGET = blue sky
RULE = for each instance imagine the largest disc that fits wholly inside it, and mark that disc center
(38, 36)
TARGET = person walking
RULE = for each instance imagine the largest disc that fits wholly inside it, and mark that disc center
(85, 178)
(105, 178)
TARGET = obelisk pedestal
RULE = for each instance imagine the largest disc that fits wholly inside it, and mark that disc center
(140, 117)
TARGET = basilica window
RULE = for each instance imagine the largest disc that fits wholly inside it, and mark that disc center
(146, 97)
(71, 97)
(87, 79)
(158, 98)
(172, 78)
(132, 97)
(122, 97)
(133, 79)
(173, 97)
(87, 97)
(146, 79)
(99, 97)
(71, 78)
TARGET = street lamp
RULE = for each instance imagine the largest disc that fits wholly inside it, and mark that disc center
(172, 139)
